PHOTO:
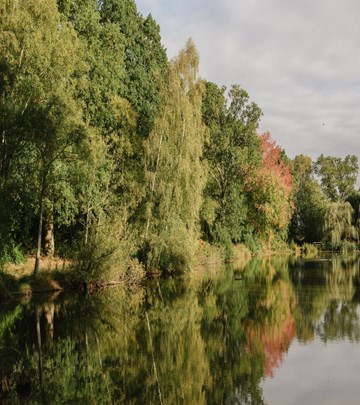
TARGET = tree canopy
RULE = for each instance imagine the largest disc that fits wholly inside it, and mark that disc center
(112, 150)
(338, 175)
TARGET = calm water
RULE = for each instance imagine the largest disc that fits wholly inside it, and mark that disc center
(278, 331)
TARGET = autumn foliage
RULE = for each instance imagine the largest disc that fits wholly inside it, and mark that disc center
(273, 341)
(272, 335)
(271, 190)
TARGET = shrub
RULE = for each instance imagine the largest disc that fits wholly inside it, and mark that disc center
(11, 253)
(308, 249)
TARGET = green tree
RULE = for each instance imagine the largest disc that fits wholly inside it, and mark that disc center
(42, 64)
(174, 170)
(338, 225)
(232, 152)
(354, 200)
(144, 59)
(338, 176)
(309, 203)
(110, 169)
(125, 57)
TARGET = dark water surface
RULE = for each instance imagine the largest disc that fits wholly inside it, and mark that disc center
(279, 331)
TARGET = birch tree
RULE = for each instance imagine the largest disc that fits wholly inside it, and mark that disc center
(174, 169)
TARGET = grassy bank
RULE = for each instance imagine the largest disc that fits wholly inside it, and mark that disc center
(57, 274)
(17, 279)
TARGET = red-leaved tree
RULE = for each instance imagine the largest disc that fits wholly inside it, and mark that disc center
(270, 190)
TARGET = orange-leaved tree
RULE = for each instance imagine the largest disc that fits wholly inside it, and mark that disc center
(270, 190)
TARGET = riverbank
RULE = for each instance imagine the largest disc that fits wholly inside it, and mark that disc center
(57, 274)
(16, 280)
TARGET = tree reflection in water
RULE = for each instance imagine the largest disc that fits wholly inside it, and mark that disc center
(199, 340)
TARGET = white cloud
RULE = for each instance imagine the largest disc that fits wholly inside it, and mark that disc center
(298, 60)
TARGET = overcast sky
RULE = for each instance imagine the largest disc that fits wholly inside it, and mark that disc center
(299, 60)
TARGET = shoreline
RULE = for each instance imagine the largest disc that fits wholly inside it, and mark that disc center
(17, 282)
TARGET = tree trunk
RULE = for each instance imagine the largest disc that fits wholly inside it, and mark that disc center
(153, 359)
(49, 233)
(38, 334)
(49, 310)
(38, 250)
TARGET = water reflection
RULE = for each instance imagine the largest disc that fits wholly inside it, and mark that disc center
(197, 340)
(327, 292)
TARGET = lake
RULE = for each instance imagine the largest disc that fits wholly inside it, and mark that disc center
(277, 331)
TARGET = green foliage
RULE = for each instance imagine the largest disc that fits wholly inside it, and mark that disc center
(59, 385)
(295, 249)
(42, 64)
(11, 253)
(125, 56)
(354, 200)
(252, 242)
(144, 59)
(121, 153)
(174, 170)
(309, 250)
(107, 255)
(232, 151)
(338, 226)
(348, 247)
(338, 176)
(307, 222)
(69, 147)
(8, 319)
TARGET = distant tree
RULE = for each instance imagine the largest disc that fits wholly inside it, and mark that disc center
(309, 203)
(232, 152)
(338, 176)
(338, 226)
(354, 200)
(271, 192)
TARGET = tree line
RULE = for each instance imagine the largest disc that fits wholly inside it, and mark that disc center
(111, 153)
